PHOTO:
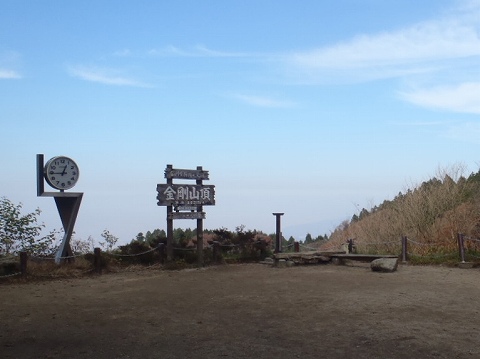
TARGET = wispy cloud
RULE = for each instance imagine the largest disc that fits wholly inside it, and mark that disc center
(391, 54)
(264, 101)
(104, 76)
(419, 123)
(464, 97)
(423, 43)
(9, 62)
(9, 74)
(196, 51)
(123, 53)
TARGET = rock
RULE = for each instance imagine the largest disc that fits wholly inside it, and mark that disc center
(281, 263)
(387, 265)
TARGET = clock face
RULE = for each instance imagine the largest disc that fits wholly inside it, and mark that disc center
(61, 172)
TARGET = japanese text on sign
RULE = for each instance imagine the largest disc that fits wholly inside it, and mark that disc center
(178, 195)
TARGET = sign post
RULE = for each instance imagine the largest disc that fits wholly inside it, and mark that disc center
(278, 233)
(185, 201)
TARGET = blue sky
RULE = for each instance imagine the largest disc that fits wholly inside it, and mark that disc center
(313, 108)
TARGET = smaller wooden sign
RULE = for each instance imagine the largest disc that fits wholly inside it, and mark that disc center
(186, 208)
(186, 215)
(186, 174)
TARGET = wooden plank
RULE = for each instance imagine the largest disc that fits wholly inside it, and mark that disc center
(310, 254)
(363, 257)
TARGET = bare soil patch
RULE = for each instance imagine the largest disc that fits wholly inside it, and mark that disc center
(247, 311)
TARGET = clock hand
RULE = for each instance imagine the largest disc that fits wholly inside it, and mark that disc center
(64, 168)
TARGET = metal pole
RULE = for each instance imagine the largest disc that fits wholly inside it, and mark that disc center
(40, 184)
(278, 233)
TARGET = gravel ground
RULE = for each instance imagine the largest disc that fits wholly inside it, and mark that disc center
(247, 311)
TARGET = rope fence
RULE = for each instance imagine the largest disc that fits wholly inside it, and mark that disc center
(99, 257)
(466, 246)
(433, 251)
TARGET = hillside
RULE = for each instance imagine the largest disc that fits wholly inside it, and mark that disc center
(430, 214)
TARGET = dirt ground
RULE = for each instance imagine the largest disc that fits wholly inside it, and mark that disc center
(247, 311)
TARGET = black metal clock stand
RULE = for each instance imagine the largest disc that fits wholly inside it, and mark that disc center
(68, 204)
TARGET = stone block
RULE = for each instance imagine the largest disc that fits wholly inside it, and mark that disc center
(386, 265)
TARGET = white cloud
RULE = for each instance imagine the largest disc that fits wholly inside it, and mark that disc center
(423, 47)
(9, 74)
(418, 44)
(263, 101)
(439, 59)
(464, 97)
(104, 76)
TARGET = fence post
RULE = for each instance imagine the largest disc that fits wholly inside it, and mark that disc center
(97, 260)
(161, 250)
(23, 263)
(404, 249)
(296, 246)
(350, 246)
(215, 251)
(461, 247)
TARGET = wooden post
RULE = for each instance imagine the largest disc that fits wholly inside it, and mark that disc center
(23, 263)
(169, 225)
(404, 249)
(350, 246)
(296, 246)
(97, 260)
(161, 250)
(461, 246)
(215, 251)
(199, 228)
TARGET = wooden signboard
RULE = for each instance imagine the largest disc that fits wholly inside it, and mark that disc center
(186, 174)
(185, 195)
(186, 215)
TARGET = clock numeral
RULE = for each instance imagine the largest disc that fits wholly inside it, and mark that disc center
(53, 178)
(72, 167)
(73, 178)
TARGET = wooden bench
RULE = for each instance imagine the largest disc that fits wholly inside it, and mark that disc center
(324, 256)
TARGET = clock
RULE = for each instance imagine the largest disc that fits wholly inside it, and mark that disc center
(61, 172)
